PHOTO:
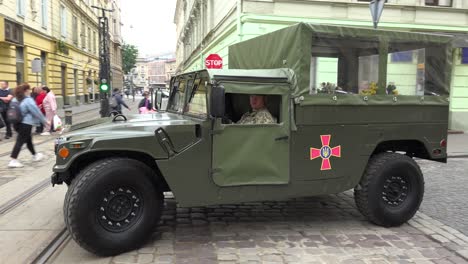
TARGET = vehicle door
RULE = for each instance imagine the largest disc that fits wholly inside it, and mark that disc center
(252, 154)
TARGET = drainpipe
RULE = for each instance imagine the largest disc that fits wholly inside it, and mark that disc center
(239, 22)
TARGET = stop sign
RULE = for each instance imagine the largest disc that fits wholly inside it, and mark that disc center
(214, 61)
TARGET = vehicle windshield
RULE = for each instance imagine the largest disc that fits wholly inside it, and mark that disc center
(189, 97)
(176, 99)
(196, 104)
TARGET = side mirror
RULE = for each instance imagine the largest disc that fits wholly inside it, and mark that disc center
(217, 101)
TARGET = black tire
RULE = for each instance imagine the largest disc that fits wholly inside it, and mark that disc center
(391, 189)
(112, 206)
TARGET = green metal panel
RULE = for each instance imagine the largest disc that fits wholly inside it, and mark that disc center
(251, 155)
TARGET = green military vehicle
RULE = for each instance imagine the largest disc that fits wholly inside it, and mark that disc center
(351, 109)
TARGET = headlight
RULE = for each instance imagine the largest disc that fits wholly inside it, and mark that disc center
(59, 141)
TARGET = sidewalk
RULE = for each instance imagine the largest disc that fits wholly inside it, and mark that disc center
(92, 106)
(457, 145)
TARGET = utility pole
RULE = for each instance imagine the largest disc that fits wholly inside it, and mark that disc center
(104, 61)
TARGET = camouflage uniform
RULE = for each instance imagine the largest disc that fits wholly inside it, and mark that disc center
(261, 116)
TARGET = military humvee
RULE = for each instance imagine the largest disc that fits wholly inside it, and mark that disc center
(353, 107)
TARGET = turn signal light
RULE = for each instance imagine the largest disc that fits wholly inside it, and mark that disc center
(64, 153)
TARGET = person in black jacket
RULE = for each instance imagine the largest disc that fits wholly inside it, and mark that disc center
(6, 95)
(119, 102)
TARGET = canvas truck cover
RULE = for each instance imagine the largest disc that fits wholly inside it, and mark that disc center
(293, 47)
(257, 76)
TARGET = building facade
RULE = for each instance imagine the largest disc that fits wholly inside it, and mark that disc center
(157, 72)
(209, 26)
(170, 70)
(154, 70)
(62, 34)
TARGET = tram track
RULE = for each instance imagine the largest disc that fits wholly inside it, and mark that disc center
(52, 248)
(24, 196)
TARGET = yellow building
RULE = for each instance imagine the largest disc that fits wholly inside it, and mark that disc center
(63, 34)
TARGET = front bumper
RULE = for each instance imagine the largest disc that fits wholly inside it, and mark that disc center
(59, 178)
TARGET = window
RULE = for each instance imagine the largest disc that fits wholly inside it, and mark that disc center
(44, 68)
(63, 21)
(44, 13)
(443, 3)
(75, 30)
(115, 26)
(19, 65)
(94, 43)
(176, 100)
(339, 66)
(21, 7)
(89, 39)
(240, 108)
(464, 59)
(197, 101)
(405, 69)
(403, 56)
(83, 35)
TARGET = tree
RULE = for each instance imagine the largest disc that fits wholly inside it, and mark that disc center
(129, 56)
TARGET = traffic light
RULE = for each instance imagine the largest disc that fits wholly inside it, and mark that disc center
(104, 86)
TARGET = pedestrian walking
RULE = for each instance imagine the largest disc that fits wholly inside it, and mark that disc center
(90, 94)
(6, 95)
(117, 102)
(41, 94)
(50, 107)
(30, 116)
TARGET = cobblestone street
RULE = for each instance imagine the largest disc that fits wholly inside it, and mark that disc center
(325, 229)
(445, 197)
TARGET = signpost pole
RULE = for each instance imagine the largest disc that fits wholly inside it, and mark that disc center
(36, 67)
(104, 62)
(376, 8)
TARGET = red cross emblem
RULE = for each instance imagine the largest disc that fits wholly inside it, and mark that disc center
(326, 152)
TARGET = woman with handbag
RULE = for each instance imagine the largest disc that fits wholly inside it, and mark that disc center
(50, 107)
(30, 116)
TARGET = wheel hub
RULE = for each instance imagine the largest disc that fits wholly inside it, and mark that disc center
(119, 209)
(395, 190)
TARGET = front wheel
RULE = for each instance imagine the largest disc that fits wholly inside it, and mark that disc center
(112, 206)
(391, 189)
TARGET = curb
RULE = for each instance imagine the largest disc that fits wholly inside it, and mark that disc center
(460, 156)
(455, 132)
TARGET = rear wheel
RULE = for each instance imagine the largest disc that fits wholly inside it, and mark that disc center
(112, 206)
(391, 189)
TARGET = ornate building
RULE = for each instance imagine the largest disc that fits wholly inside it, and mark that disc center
(63, 34)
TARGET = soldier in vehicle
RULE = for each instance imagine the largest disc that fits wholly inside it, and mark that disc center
(259, 114)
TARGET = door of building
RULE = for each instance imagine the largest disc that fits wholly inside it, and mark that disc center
(64, 85)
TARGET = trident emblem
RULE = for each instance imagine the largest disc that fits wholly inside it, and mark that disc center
(325, 152)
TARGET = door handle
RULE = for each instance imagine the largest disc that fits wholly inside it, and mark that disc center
(282, 138)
